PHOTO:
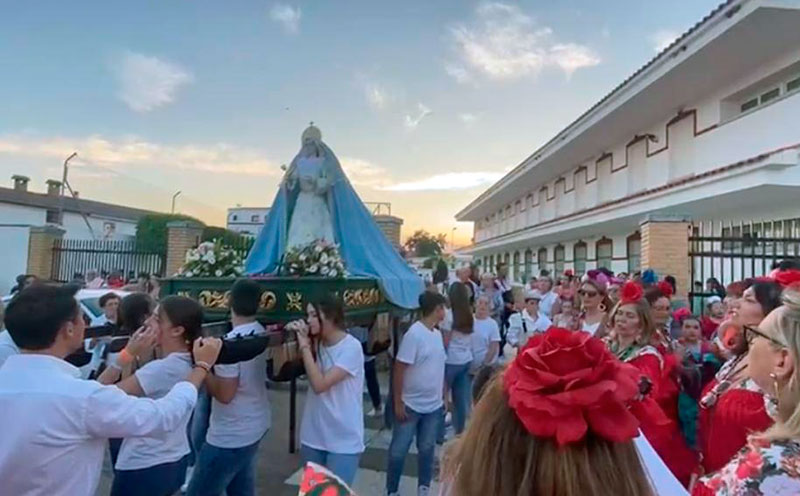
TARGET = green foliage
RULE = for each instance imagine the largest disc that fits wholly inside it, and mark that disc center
(424, 244)
(151, 230)
(228, 237)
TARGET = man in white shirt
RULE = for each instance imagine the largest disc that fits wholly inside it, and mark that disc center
(7, 347)
(418, 394)
(522, 325)
(485, 337)
(549, 297)
(240, 414)
(56, 425)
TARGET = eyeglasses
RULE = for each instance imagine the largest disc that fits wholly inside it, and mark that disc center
(750, 334)
(588, 294)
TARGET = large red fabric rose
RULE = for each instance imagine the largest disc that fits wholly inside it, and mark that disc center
(564, 383)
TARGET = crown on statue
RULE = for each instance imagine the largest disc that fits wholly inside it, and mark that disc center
(313, 133)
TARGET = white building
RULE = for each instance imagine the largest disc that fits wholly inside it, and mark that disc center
(707, 131)
(247, 220)
(82, 219)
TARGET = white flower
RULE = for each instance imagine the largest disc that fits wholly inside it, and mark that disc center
(218, 273)
(303, 257)
(324, 271)
(324, 258)
(212, 259)
(313, 269)
(780, 485)
(318, 249)
(188, 273)
(333, 273)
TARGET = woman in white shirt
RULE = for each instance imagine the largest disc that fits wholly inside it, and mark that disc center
(332, 430)
(155, 466)
(457, 335)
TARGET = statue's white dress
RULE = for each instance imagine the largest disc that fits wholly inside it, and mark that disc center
(311, 218)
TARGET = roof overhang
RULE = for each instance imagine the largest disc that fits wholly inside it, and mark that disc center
(728, 45)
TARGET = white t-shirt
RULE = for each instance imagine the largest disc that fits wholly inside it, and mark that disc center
(156, 379)
(459, 350)
(422, 349)
(333, 421)
(486, 331)
(247, 417)
(547, 302)
(518, 334)
(7, 347)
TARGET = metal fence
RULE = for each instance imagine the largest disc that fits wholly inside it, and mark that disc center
(77, 256)
(730, 251)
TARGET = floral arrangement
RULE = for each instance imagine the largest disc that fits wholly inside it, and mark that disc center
(212, 259)
(318, 258)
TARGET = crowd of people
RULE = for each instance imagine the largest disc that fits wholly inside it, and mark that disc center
(600, 384)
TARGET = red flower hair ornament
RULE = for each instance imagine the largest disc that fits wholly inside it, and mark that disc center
(565, 383)
(631, 292)
(788, 278)
(665, 288)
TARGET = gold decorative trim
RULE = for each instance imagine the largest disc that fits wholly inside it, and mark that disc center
(268, 300)
(361, 297)
(213, 299)
(294, 302)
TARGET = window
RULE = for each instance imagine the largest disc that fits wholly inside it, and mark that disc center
(558, 254)
(541, 258)
(234, 217)
(51, 217)
(491, 262)
(792, 85)
(508, 211)
(254, 218)
(517, 267)
(519, 207)
(579, 258)
(770, 95)
(634, 252)
(604, 249)
(749, 105)
(528, 263)
(530, 200)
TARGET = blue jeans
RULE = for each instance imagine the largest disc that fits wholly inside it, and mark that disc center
(459, 382)
(160, 480)
(342, 465)
(228, 470)
(424, 426)
(198, 426)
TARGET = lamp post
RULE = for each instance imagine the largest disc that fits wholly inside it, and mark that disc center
(174, 197)
(63, 188)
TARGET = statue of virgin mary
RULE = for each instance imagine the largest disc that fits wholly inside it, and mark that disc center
(315, 201)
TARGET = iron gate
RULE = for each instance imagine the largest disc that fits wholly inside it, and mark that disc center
(77, 256)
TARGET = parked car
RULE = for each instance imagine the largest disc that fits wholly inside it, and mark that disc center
(89, 301)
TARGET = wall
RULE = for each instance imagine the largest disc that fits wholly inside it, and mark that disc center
(14, 240)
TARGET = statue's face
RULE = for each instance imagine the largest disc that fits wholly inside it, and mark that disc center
(309, 148)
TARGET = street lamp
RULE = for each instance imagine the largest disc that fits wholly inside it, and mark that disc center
(63, 188)
(174, 197)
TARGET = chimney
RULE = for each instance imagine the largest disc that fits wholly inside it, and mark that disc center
(20, 182)
(53, 187)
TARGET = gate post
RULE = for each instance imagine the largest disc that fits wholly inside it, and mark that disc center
(182, 236)
(40, 250)
(665, 249)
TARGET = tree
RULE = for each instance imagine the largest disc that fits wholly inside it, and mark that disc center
(424, 244)
(151, 230)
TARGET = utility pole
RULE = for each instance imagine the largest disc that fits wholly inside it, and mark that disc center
(63, 188)
(174, 197)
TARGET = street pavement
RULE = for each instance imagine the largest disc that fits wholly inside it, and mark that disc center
(278, 471)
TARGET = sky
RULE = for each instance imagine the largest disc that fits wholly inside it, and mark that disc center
(425, 103)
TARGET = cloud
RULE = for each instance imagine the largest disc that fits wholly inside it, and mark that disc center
(136, 153)
(504, 43)
(287, 16)
(663, 38)
(468, 118)
(377, 96)
(412, 121)
(146, 82)
(449, 181)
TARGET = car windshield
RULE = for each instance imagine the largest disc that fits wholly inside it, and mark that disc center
(93, 306)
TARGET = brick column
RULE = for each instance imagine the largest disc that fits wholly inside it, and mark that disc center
(40, 250)
(390, 226)
(665, 249)
(182, 236)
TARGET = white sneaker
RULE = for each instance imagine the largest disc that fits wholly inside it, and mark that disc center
(423, 491)
(185, 486)
(376, 412)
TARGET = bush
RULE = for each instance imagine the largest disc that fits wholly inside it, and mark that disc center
(151, 230)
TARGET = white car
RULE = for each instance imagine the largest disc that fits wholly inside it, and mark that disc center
(89, 301)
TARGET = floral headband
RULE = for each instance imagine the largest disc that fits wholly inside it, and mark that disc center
(598, 278)
(665, 288)
(564, 383)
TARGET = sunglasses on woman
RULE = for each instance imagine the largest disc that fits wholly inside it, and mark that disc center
(750, 334)
(588, 294)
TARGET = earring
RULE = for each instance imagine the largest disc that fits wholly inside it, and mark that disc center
(774, 383)
(601, 307)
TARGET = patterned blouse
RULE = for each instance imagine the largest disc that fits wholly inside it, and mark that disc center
(760, 468)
